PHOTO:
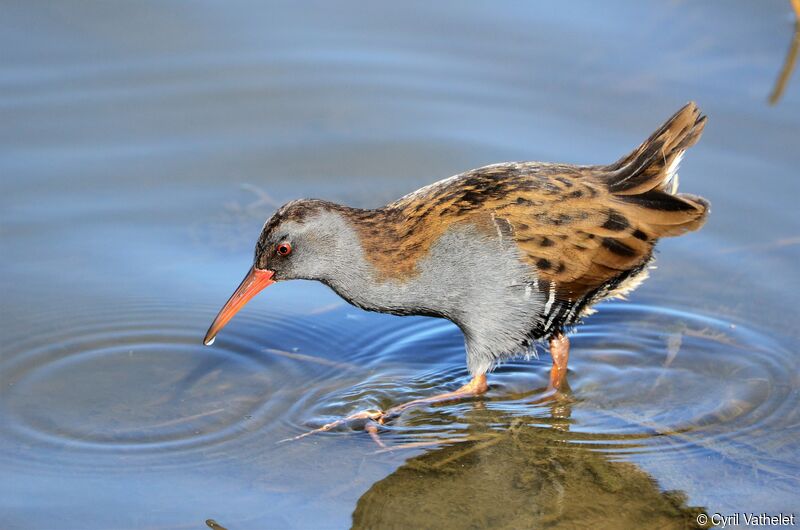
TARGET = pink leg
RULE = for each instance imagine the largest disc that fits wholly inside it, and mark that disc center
(559, 351)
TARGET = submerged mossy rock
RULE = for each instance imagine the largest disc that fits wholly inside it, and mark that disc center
(524, 477)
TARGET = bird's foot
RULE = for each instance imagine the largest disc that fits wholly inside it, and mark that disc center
(374, 418)
(371, 417)
(556, 390)
(549, 395)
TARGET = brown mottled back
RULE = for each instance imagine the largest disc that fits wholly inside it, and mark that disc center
(580, 227)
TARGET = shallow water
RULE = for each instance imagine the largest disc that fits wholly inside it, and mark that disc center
(141, 148)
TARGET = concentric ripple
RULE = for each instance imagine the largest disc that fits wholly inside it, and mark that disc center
(136, 380)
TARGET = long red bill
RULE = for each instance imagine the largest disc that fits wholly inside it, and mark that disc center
(252, 284)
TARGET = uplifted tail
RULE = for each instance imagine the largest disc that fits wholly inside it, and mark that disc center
(647, 179)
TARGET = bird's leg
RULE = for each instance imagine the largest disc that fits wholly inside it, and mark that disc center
(559, 351)
(475, 387)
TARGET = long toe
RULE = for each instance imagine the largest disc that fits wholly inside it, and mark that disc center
(550, 395)
(370, 416)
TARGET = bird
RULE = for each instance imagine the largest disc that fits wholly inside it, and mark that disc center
(515, 254)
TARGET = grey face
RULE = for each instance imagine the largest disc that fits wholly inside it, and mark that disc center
(301, 242)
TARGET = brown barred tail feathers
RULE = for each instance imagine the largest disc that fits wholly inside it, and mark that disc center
(646, 181)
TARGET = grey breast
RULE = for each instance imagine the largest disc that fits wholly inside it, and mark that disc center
(475, 279)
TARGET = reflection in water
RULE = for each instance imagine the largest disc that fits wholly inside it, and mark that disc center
(514, 473)
(791, 58)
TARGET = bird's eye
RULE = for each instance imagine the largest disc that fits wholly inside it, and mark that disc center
(284, 249)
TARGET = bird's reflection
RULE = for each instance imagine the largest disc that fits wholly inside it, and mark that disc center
(515, 471)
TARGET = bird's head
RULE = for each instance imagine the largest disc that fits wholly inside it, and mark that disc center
(304, 239)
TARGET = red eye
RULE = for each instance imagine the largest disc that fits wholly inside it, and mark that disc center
(284, 249)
